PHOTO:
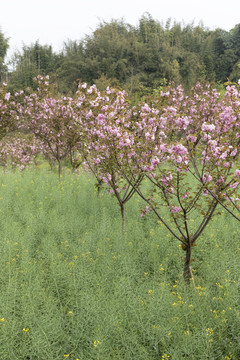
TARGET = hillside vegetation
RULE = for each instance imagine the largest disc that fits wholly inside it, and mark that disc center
(137, 58)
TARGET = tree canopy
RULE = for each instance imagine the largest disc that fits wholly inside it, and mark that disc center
(3, 52)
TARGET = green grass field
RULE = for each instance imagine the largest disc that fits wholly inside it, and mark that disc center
(73, 286)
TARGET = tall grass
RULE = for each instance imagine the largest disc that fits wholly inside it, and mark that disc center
(72, 285)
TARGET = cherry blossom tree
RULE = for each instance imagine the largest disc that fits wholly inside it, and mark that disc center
(108, 122)
(19, 150)
(170, 148)
(53, 121)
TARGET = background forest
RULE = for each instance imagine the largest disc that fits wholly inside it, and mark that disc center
(137, 58)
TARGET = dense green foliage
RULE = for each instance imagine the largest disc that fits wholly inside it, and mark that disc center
(72, 286)
(138, 58)
(3, 52)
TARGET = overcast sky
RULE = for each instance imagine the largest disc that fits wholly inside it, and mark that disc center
(55, 21)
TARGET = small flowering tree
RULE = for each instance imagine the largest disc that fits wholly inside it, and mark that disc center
(107, 129)
(19, 150)
(53, 121)
(170, 148)
(8, 120)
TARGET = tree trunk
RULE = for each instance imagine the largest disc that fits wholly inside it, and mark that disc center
(187, 266)
(98, 186)
(123, 216)
(59, 168)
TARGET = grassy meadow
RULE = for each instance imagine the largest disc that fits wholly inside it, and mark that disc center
(73, 286)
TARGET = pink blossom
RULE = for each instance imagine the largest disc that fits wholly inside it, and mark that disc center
(206, 178)
(145, 211)
(155, 161)
(237, 173)
(234, 185)
(192, 138)
(185, 196)
(183, 122)
(208, 127)
(233, 153)
(175, 209)
(7, 96)
(226, 164)
(146, 108)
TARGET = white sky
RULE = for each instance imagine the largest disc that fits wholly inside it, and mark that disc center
(55, 21)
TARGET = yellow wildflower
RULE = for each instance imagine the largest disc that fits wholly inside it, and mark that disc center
(209, 331)
(96, 343)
